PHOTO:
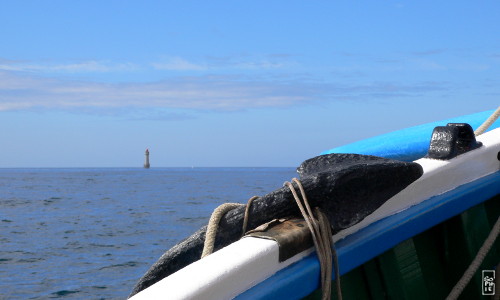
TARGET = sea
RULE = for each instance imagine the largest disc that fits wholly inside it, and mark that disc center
(91, 233)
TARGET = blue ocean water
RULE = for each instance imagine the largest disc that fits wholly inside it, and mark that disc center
(92, 233)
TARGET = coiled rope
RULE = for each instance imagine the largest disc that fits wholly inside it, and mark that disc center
(494, 116)
(322, 237)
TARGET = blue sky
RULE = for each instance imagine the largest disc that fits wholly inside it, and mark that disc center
(233, 83)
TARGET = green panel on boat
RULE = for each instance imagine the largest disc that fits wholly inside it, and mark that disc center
(429, 246)
(428, 265)
(374, 280)
(402, 273)
(353, 287)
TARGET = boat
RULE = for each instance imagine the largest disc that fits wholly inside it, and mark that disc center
(414, 233)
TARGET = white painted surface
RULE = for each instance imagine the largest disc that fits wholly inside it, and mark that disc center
(440, 176)
(241, 265)
(223, 274)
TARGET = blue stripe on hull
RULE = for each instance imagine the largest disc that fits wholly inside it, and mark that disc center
(408, 144)
(302, 278)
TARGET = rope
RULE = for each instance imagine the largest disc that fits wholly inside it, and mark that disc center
(323, 221)
(471, 270)
(494, 116)
(318, 225)
(322, 237)
(213, 223)
(247, 212)
(485, 248)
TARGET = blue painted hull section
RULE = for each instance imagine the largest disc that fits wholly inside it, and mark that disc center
(302, 278)
(411, 143)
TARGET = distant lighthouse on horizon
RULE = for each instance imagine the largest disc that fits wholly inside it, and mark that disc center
(146, 162)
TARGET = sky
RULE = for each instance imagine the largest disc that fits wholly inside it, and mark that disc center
(233, 83)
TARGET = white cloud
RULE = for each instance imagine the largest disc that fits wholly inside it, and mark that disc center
(166, 64)
(79, 67)
(251, 62)
(237, 62)
(429, 52)
(258, 65)
(207, 92)
(223, 93)
(178, 64)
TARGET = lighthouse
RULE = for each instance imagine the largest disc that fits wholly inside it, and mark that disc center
(146, 162)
